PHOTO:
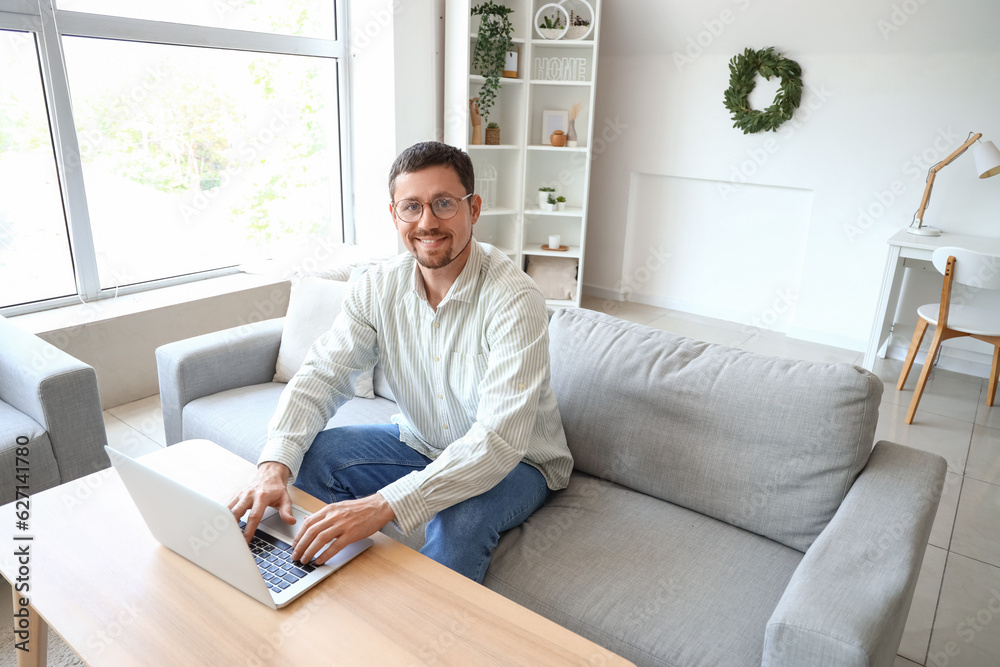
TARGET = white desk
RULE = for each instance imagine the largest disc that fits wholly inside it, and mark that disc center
(907, 249)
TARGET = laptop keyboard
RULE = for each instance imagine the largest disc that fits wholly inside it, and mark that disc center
(274, 558)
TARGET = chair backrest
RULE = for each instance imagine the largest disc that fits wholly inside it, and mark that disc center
(976, 269)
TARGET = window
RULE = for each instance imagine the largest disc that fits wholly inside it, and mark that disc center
(185, 148)
(35, 260)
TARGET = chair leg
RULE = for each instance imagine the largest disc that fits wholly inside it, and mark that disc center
(925, 372)
(918, 338)
(994, 373)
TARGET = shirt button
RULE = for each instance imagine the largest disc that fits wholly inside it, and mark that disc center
(446, 427)
(520, 385)
(437, 358)
(437, 325)
(440, 395)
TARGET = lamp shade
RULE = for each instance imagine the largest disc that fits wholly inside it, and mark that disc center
(987, 158)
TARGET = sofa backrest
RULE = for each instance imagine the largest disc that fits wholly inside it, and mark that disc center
(767, 444)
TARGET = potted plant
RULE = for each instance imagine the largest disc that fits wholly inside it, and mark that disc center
(492, 134)
(550, 203)
(492, 44)
(578, 26)
(560, 203)
(543, 195)
(551, 27)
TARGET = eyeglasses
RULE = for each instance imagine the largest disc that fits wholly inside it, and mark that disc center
(444, 208)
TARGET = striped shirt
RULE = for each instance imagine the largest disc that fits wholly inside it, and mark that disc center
(471, 380)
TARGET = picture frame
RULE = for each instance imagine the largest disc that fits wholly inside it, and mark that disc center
(552, 120)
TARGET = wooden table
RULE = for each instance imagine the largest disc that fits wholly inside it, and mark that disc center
(907, 249)
(117, 597)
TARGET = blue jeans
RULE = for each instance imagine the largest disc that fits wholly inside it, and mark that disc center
(350, 462)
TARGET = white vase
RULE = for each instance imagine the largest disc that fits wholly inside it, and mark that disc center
(542, 198)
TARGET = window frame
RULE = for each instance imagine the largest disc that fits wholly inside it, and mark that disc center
(49, 25)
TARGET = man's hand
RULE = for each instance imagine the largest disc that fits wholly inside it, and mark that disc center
(346, 522)
(268, 488)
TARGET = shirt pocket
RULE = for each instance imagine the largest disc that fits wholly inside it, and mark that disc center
(465, 373)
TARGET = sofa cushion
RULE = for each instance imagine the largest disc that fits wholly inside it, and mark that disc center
(43, 472)
(237, 419)
(767, 444)
(651, 581)
(313, 305)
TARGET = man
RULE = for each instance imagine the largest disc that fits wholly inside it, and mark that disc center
(462, 335)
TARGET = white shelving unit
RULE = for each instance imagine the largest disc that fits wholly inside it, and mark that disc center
(523, 162)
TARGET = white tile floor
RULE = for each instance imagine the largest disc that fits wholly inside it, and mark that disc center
(951, 621)
(955, 616)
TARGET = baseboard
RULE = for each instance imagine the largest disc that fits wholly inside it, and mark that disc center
(603, 293)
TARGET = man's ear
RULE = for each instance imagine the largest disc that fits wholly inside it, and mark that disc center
(394, 222)
(476, 204)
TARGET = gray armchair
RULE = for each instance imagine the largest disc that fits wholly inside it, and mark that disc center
(49, 403)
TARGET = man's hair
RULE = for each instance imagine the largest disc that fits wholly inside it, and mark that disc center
(431, 154)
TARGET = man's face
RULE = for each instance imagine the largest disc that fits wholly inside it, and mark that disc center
(434, 242)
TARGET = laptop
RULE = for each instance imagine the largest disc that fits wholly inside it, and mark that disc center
(206, 533)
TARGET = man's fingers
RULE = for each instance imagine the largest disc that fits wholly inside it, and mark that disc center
(253, 519)
(239, 504)
(330, 552)
(316, 545)
(285, 509)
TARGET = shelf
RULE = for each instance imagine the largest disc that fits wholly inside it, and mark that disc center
(479, 78)
(514, 40)
(499, 210)
(570, 211)
(562, 149)
(533, 249)
(552, 82)
(495, 147)
(551, 74)
(563, 43)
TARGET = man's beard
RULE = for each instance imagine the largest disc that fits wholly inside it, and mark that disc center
(432, 262)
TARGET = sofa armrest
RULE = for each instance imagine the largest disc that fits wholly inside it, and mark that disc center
(205, 365)
(847, 602)
(59, 392)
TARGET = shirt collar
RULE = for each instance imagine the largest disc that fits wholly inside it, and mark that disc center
(463, 289)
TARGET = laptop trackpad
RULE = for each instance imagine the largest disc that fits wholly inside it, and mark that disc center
(276, 526)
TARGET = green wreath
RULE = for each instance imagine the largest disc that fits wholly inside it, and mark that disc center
(742, 71)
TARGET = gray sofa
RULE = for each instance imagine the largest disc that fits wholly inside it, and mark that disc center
(49, 403)
(727, 508)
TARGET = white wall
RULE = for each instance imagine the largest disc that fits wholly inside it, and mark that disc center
(891, 91)
(396, 79)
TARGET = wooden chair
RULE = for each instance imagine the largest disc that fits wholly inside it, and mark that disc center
(953, 318)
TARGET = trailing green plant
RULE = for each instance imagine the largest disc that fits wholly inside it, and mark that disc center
(492, 44)
(743, 70)
(551, 200)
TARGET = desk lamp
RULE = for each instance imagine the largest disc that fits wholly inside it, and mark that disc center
(987, 164)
